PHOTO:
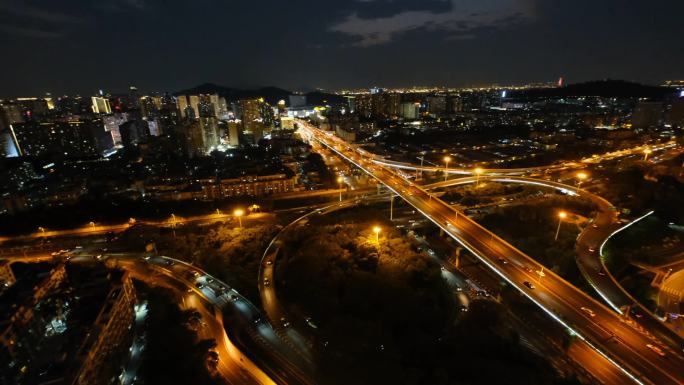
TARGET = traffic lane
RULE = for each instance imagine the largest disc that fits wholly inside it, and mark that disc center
(633, 367)
(578, 319)
(244, 316)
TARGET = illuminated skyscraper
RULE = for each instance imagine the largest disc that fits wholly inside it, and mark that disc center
(193, 101)
(101, 105)
(182, 103)
(209, 129)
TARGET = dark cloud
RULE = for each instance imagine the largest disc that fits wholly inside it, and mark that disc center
(67, 46)
(460, 16)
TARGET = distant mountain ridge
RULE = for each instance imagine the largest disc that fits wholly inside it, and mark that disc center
(272, 95)
(604, 88)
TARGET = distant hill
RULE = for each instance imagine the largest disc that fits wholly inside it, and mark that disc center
(605, 88)
(271, 94)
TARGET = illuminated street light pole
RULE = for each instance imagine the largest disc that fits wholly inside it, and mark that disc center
(447, 159)
(340, 180)
(377, 230)
(478, 171)
(238, 214)
(581, 176)
(647, 152)
(561, 215)
(422, 159)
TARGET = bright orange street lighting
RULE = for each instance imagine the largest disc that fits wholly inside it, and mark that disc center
(647, 152)
(581, 176)
(447, 159)
(377, 230)
(478, 172)
(238, 214)
(340, 180)
(561, 215)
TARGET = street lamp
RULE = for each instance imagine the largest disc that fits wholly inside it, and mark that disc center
(340, 180)
(581, 176)
(647, 152)
(478, 171)
(561, 215)
(238, 214)
(377, 230)
(447, 159)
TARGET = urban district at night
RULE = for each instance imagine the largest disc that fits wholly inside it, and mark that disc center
(341, 192)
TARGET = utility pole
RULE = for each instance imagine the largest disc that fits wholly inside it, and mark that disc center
(392, 207)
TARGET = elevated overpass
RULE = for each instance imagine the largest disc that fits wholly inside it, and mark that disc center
(622, 344)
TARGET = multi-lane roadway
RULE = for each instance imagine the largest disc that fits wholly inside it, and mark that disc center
(622, 344)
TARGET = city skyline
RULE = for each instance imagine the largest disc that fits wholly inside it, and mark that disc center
(337, 192)
(172, 46)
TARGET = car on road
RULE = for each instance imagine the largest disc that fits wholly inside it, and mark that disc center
(310, 322)
(656, 349)
(269, 262)
(284, 322)
(267, 282)
(503, 261)
(588, 311)
(529, 285)
(591, 249)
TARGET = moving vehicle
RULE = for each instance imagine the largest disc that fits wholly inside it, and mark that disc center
(588, 311)
(656, 349)
(529, 285)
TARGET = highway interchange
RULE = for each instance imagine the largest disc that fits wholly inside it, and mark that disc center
(278, 354)
(621, 343)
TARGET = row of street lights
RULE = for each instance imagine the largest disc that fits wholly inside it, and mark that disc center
(478, 171)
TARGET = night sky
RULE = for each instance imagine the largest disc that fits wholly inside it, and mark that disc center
(80, 46)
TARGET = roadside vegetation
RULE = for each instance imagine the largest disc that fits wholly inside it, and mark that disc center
(224, 250)
(532, 228)
(383, 314)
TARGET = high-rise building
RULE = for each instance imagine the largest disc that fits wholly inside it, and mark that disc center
(182, 103)
(648, 114)
(112, 124)
(101, 105)
(134, 132)
(209, 129)
(410, 111)
(33, 106)
(193, 101)
(148, 106)
(194, 141)
(385, 105)
(436, 105)
(11, 114)
(222, 108)
(189, 113)
(250, 110)
(351, 104)
(364, 105)
(75, 137)
(234, 129)
(206, 108)
(214, 100)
